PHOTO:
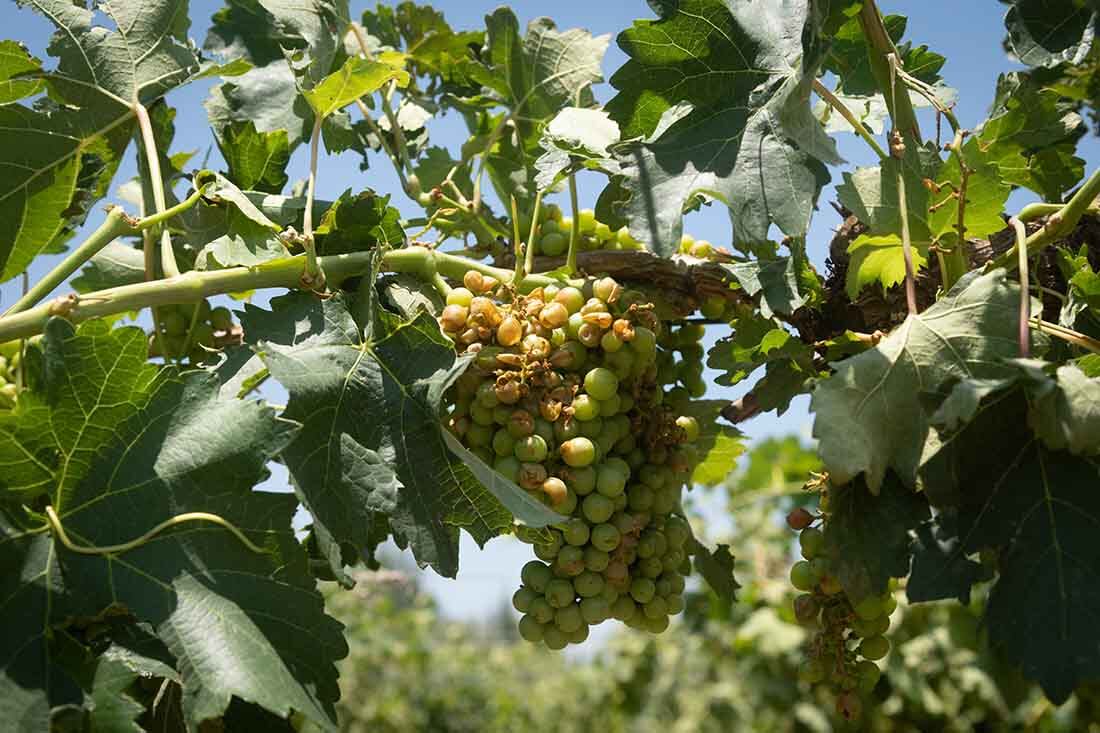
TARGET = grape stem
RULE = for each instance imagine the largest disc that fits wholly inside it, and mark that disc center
(58, 529)
(314, 275)
(156, 184)
(1025, 292)
(575, 230)
(529, 254)
(284, 272)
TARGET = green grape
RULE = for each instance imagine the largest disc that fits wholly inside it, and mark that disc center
(578, 452)
(575, 532)
(642, 590)
(610, 480)
(508, 467)
(531, 449)
(548, 551)
(875, 627)
(666, 499)
(713, 308)
(812, 542)
(566, 429)
(657, 607)
(559, 593)
(521, 599)
(690, 426)
(610, 407)
(579, 636)
(530, 629)
(570, 561)
(675, 603)
(553, 244)
(554, 637)
(221, 319)
(874, 647)
(520, 424)
(830, 585)
(503, 443)
(868, 674)
(597, 508)
(889, 604)
(592, 428)
(541, 610)
(656, 625)
(594, 610)
(536, 576)
(173, 322)
(802, 577)
(586, 407)
(677, 531)
(481, 415)
(569, 618)
(479, 436)
(571, 298)
(586, 218)
(596, 559)
(605, 537)
(588, 584)
(581, 481)
(624, 608)
(869, 608)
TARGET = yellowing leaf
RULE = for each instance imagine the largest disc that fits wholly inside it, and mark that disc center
(356, 78)
(879, 259)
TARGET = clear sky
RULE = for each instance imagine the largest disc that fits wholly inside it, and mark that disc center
(967, 32)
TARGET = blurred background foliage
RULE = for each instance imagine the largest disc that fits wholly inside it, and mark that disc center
(411, 669)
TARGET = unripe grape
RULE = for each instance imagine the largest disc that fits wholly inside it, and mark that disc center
(531, 449)
(642, 590)
(575, 532)
(520, 425)
(541, 610)
(582, 481)
(221, 319)
(579, 635)
(802, 577)
(830, 585)
(521, 599)
(536, 575)
(605, 536)
(812, 671)
(460, 296)
(868, 674)
(874, 647)
(578, 452)
(610, 480)
(555, 638)
(589, 334)
(690, 426)
(555, 490)
(874, 627)
(588, 584)
(553, 244)
(812, 542)
(585, 408)
(594, 610)
(530, 629)
(799, 518)
(559, 593)
(601, 383)
(531, 475)
(596, 507)
(888, 603)
(869, 608)
(569, 618)
(569, 562)
(596, 559)
(806, 608)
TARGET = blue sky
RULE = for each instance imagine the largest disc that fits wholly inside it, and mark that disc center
(967, 32)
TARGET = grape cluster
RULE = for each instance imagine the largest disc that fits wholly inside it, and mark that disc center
(9, 365)
(563, 398)
(185, 332)
(552, 237)
(850, 637)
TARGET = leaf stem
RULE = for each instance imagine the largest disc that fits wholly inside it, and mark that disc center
(879, 48)
(1058, 225)
(518, 245)
(907, 246)
(575, 230)
(1025, 291)
(529, 255)
(1067, 334)
(858, 127)
(156, 183)
(63, 536)
(313, 274)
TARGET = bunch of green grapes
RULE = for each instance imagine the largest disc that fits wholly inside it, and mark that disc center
(552, 236)
(189, 330)
(680, 362)
(851, 634)
(563, 399)
(9, 365)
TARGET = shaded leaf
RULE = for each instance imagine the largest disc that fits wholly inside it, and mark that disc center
(867, 536)
(372, 441)
(1048, 32)
(16, 63)
(716, 568)
(355, 223)
(775, 280)
(941, 568)
(868, 415)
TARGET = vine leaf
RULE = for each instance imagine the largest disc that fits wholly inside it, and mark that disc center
(775, 280)
(115, 671)
(372, 442)
(1031, 135)
(717, 96)
(879, 259)
(848, 57)
(16, 67)
(58, 158)
(576, 139)
(867, 536)
(354, 223)
(941, 569)
(868, 414)
(1048, 32)
(718, 445)
(1065, 409)
(177, 447)
(1039, 509)
(356, 78)
(716, 568)
(257, 160)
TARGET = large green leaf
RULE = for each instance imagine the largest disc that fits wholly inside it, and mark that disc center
(1048, 32)
(868, 415)
(1039, 510)
(101, 71)
(372, 441)
(1031, 135)
(174, 446)
(719, 93)
(256, 160)
(867, 536)
(356, 78)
